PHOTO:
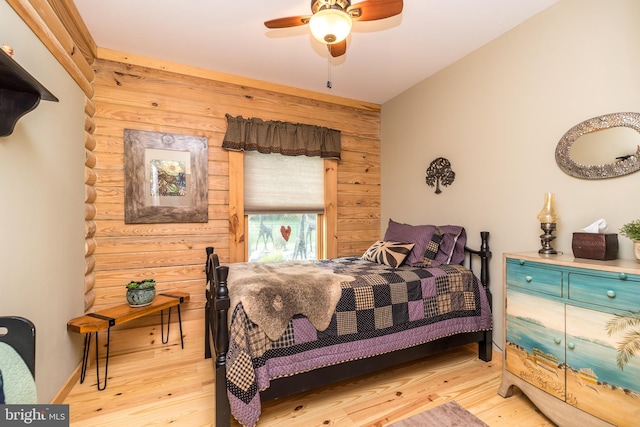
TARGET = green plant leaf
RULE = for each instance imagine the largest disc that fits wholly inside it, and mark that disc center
(631, 230)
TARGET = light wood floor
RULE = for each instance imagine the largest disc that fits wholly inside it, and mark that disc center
(165, 385)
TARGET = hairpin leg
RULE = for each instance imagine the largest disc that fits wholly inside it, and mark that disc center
(164, 341)
(85, 356)
(106, 361)
(180, 324)
(85, 359)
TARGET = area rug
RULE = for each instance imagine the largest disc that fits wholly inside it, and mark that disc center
(449, 414)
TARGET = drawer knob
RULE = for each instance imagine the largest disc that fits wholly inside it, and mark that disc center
(571, 345)
(557, 340)
(521, 262)
(611, 294)
(622, 276)
(528, 279)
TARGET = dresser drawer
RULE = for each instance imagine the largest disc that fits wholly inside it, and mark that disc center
(534, 276)
(614, 291)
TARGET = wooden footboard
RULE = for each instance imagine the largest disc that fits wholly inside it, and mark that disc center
(217, 337)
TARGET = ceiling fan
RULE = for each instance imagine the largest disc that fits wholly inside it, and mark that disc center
(330, 21)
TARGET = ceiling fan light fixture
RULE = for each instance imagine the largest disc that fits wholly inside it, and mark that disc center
(330, 26)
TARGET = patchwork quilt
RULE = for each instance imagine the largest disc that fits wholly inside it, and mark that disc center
(383, 309)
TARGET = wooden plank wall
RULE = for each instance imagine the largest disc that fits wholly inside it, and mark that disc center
(135, 96)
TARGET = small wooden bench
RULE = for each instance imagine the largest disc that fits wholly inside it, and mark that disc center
(92, 323)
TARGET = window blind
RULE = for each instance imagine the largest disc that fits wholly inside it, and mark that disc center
(277, 183)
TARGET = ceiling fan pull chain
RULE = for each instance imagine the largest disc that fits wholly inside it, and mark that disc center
(329, 83)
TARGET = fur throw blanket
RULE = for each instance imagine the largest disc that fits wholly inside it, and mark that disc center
(271, 293)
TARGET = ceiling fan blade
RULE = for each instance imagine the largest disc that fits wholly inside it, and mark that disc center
(338, 49)
(370, 10)
(291, 21)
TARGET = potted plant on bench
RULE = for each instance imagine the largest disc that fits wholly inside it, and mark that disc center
(142, 293)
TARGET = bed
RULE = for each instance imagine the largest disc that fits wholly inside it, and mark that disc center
(409, 296)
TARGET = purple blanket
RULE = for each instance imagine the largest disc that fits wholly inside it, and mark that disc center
(382, 310)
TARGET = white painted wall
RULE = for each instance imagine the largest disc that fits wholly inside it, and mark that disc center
(498, 114)
(42, 211)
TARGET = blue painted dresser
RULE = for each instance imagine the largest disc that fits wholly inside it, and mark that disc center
(572, 337)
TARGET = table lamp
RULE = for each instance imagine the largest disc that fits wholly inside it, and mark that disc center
(548, 219)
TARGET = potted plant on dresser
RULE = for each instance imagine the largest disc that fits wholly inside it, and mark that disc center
(632, 231)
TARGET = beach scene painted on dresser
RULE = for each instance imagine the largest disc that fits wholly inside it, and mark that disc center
(589, 367)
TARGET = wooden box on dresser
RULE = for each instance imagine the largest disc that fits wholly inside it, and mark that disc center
(566, 320)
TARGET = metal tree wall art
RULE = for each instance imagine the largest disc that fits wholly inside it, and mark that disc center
(440, 172)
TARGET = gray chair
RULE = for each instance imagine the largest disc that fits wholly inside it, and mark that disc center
(19, 334)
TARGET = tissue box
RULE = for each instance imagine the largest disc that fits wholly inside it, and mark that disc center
(595, 246)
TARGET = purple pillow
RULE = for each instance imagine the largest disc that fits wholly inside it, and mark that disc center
(451, 249)
(420, 235)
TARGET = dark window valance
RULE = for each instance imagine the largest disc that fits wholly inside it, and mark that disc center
(289, 139)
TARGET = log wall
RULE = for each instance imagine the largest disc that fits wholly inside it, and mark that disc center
(144, 94)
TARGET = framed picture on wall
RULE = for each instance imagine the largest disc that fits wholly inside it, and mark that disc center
(165, 177)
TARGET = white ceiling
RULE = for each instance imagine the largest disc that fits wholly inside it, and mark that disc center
(383, 59)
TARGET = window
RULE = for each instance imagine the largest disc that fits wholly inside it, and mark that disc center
(282, 237)
(244, 220)
(283, 198)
